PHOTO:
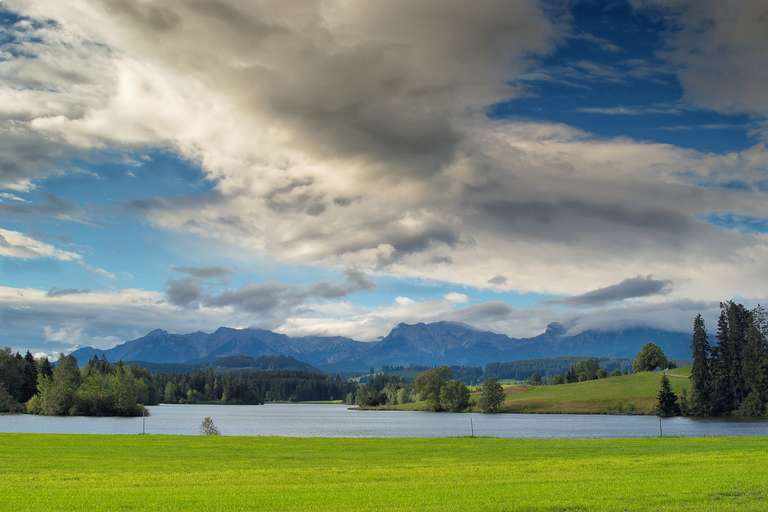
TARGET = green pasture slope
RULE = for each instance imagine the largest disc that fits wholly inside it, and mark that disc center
(168, 473)
(628, 394)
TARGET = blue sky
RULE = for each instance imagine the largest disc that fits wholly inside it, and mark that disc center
(482, 168)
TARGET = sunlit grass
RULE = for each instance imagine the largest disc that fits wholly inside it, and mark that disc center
(82, 472)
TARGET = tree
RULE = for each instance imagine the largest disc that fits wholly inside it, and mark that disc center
(367, 396)
(29, 370)
(44, 367)
(667, 404)
(429, 384)
(650, 358)
(685, 403)
(208, 427)
(11, 374)
(534, 379)
(586, 369)
(169, 393)
(754, 372)
(728, 385)
(701, 374)
(63, 387)
(7, 402)
(454, 396)
(491, 396)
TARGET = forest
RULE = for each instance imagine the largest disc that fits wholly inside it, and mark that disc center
(102, 388)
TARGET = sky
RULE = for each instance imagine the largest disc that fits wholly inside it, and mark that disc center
(335, 167)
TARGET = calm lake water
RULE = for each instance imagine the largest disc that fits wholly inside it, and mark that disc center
(338, 421)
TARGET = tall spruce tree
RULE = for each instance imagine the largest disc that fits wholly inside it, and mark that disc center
(720, 398)
(30, 377)
(701, 374)
(754, 372)
(739, 321)
(729, 388)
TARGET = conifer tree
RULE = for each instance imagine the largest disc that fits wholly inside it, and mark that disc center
(667, 404)
(701, 375)
(30, 377)
(754, 371)
(45, 368)
(739, 321)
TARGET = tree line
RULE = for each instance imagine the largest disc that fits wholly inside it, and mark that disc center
(251, 387)
(102, 388)
(553, 370)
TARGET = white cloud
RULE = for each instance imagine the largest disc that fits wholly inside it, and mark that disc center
(456, 298)
(18, 245)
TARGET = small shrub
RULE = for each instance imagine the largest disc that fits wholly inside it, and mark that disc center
(208, 427)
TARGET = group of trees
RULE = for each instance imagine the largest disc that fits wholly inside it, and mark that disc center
(469, 375)
(250, 387)
(582, 370)
(381, 389)
(19, 377)
(436, 387)
(441, 391)
(732, 376)
(98, 389)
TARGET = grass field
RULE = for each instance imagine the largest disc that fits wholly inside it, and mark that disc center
(628, 394)
(78, 472)
(633, 394)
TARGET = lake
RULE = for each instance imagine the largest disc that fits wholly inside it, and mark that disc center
(321, 420)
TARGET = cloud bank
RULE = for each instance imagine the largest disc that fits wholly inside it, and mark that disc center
(354, 135)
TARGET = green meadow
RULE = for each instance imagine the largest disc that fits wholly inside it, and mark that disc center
(89, 472)
(627, 394)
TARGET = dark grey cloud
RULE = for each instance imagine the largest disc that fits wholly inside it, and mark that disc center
(576, 220)
(356, 281)
(184, 292)
(26, 156)
(265, 298)
(60, 292)
(213, 272)
(498, 280)
(640, 286)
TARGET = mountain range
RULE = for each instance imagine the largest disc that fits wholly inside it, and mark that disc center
(428, 344)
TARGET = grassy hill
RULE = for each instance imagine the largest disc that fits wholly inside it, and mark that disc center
(168, 473)
(628, 394)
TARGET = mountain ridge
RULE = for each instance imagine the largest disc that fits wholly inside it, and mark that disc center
(421, 343)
